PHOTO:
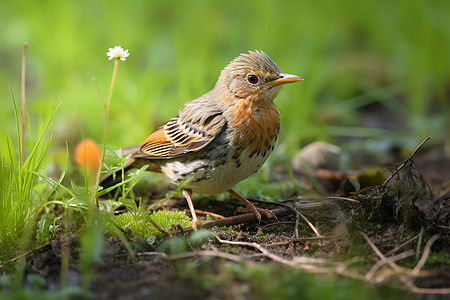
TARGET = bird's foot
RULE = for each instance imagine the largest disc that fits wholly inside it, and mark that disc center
(196, 224)
(250, 207)
(256, 210)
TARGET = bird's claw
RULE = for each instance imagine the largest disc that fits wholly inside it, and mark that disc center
(196, 224)
(256, 210)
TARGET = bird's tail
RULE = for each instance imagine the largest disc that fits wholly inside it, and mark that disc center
(115, 177)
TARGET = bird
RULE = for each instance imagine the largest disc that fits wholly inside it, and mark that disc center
(219, 138)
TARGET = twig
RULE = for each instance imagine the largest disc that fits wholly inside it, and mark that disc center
(278, 223)
(405, 161)
(297, 224)
(282, 223)
(372, 245)
(309, 206)
(310, 224)
(164, 255)
(257, 246)
(246, 218)
(417, 290)
(316, 231)
(402, 245)
(378, 252)
(369, 275)
(426, 253)
(250, 217)
(226, 255)
(304, 239)
(311, 264)
(410, 274)
(206, 213)
(343, 198)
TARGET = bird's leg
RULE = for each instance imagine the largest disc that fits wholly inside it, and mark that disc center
(187, 193)
(250, 207)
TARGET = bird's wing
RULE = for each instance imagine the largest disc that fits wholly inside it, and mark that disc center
(182, 134)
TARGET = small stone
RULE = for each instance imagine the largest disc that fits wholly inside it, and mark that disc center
(318, 155)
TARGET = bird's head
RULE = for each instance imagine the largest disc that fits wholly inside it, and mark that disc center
(252, 75)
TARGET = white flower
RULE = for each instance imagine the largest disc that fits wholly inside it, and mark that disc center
(117, 52)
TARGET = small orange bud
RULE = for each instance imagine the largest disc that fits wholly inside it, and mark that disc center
(87, 154)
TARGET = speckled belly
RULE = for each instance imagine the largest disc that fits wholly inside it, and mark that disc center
(213, 174)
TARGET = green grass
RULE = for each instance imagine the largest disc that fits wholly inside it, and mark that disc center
(21, 195)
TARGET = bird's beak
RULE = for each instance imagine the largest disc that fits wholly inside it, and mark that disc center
(284, 78)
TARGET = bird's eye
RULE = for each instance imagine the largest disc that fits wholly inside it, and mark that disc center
(253, 79)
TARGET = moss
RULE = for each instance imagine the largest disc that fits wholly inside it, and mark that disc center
(138, 222)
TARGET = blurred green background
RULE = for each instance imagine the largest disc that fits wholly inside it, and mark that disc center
(357, 57)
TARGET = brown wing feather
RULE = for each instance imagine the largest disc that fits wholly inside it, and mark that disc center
(178, 137)
(156, 144)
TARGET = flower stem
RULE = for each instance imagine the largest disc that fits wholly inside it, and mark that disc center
(105, 129)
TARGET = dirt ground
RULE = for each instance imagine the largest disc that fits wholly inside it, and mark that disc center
(388, 219)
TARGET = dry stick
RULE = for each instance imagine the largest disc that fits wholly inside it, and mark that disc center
(304, 239)
(402, 245)
(164, 255)
(378, 252)
(382, 262)
(404, 162)
(310, 205)
(206, 213)
(372, 245)
(316, 231)
(226, 255)
(297, 224)
(257, 246)
(420, 264)
(442, 291)
(24, 115)
(314, 265)
(311, 225)
(250, 217)
(277, 223)
(425, 254)
(246, 218)
(344, 198)
(416, 272)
